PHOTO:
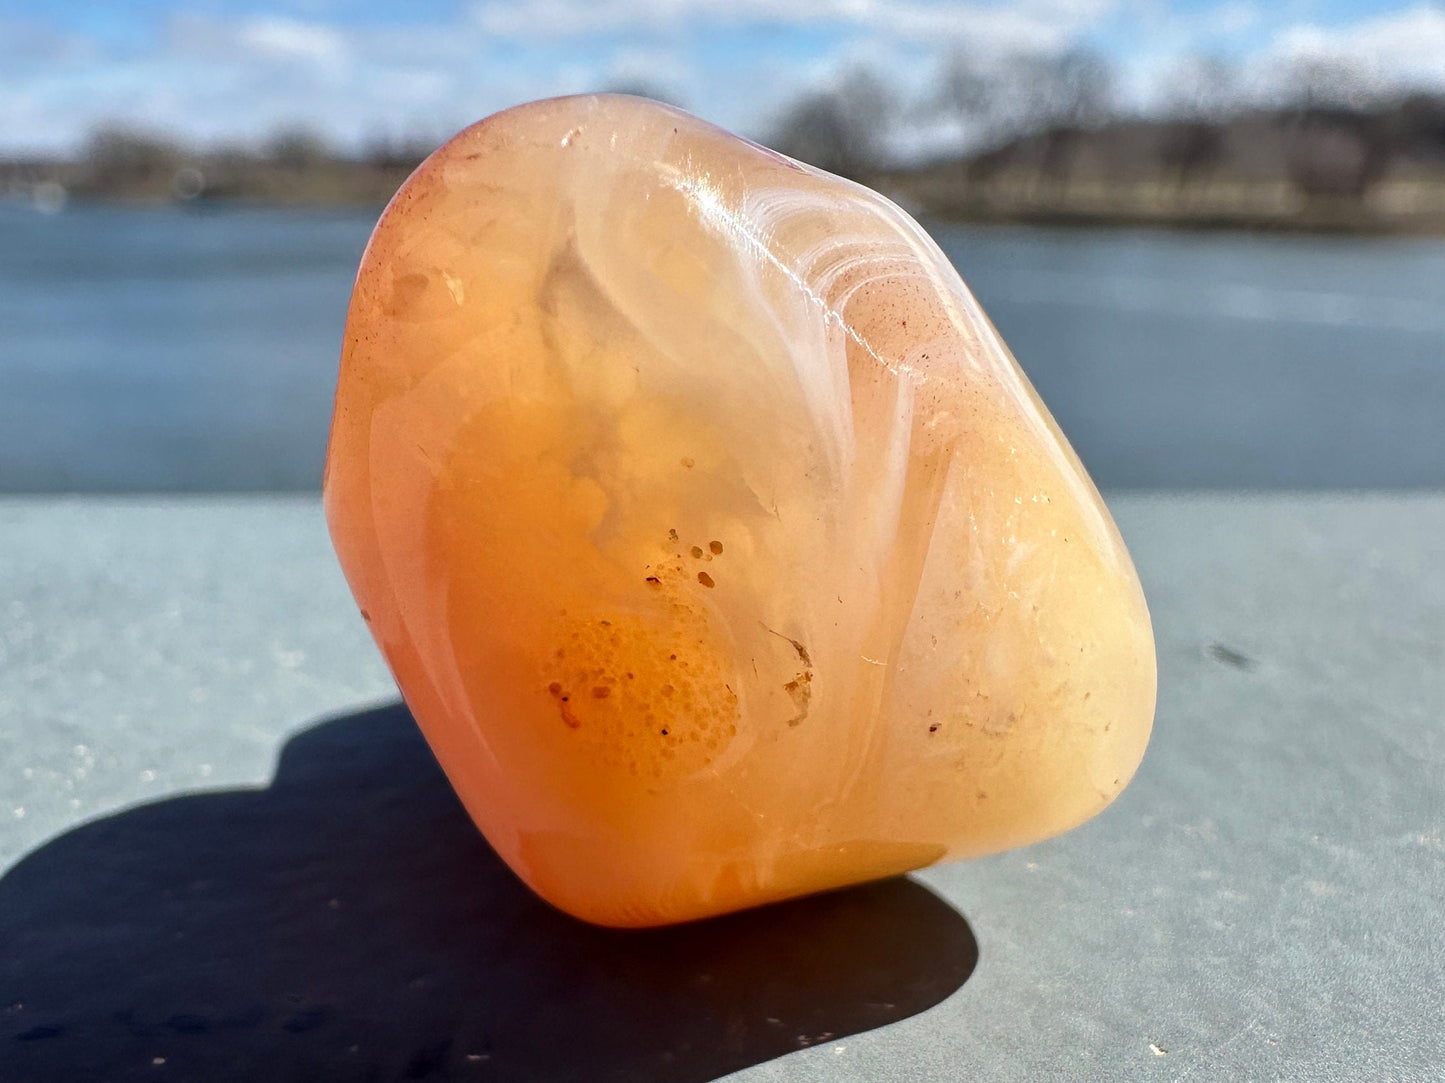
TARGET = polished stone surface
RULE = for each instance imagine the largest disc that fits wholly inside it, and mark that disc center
(1283, 842)
(716, 540)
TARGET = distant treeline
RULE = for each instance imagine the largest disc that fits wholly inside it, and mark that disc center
(292, 167)
(1046, 140)
(1014, 138)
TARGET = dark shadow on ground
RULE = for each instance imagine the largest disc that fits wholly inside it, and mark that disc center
(349, 923)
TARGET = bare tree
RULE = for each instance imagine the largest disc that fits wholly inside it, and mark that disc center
(842, 130)
(1202, 93)
(1328, 83)
(1067, 95)
(1335, 145)
(386, 152)
(1202, 88)
(1074, 90)
(972, 96)
(118, 159)
(297, 149)
(999, 103)
(967, 92)
(1418, 124)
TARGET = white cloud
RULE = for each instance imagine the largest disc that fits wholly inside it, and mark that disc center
(1023, 23)
(209, 78)
(1402, 48)
(1233, 18)
(1264, 50)
(292, 39)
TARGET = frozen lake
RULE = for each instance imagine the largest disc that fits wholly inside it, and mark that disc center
(196, 349)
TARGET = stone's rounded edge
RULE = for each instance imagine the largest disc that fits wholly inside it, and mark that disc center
(592, 912)
(1147, 731)
(1149, 647)
(622, 920)
(626, 919)
(1130, 595)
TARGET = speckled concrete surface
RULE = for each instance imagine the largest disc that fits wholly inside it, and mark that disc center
(1263, 902)
(154, 646)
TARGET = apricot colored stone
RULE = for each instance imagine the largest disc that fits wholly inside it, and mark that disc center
(715, 539)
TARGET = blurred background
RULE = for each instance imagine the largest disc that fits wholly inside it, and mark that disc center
(1213, 231)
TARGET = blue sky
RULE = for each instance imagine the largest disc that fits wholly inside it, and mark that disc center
(236, 70)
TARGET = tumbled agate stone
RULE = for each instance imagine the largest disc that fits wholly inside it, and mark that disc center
(717, 543)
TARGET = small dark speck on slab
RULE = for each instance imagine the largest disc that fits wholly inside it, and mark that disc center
(1229, 656)
(304, 1021)
(428, 1061)
(35, 1034)
(186, 1023)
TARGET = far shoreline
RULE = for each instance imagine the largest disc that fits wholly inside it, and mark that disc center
(1330, 222)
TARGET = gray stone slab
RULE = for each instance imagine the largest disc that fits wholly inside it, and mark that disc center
(1263, 902)
(155, 646)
